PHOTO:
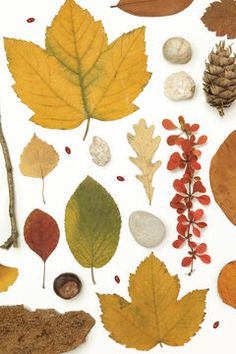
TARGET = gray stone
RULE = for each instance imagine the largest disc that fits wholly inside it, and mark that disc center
(100, 151)
(147, 229)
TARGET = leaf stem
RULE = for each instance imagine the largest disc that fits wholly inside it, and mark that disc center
(43, 190)
(44, 274)
(92, 275)
(13, 239)
(87, 128)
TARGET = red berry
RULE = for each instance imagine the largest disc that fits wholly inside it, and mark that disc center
(216, 324)
(117, 279)
(30, 19)
(67, 150)
(120, 178)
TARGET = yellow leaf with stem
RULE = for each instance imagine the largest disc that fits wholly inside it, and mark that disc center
(38, 159)
(79, 76)
(154, 315)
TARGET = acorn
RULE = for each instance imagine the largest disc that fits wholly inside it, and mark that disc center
(67, 285)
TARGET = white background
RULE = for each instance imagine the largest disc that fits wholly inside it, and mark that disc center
(129, 195)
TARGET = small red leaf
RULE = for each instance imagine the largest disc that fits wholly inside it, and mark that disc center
(196, 231)
(171, 140)
(198, 187)
(179, 186)
(178, 243)
(205, 258)
(198, 214)
(201, 224)
(194, 127)
(203, 199)
(192, 244)
(182, 218)
(187, 261)
(201, 140)
(201, 248)
(181, 228)
(168, 124)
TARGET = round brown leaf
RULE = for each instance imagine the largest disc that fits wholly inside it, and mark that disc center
(227, 284)
(223, 177)
(41, 233)
(152, 8)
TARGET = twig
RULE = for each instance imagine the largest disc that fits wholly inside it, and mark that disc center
(13, 239)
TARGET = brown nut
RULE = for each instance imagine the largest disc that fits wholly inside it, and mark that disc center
(67, 285)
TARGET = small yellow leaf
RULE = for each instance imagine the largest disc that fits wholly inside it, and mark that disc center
(8, 276)
(38, 158)
(118, 77)
(43, 86)
(145, 147)
(154, 315)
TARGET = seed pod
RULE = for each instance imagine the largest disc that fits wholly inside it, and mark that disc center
(67, 285)
(177, 50)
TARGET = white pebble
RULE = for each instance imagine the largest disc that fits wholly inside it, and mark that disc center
(177, 50)
(179, 86)
(147, 229)
(100, 151)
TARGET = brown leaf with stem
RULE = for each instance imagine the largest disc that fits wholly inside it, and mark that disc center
(38, 159)
(41, 234)
(153, 8)
(220, 17)
(145, 147)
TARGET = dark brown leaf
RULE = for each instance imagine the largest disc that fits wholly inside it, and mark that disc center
(223, 177)
(41, 234)
(220, 17)
(41, 331)
(152, 8)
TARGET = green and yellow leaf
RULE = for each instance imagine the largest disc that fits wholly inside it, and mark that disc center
(154, 315)
(92, 224)
(8, 276)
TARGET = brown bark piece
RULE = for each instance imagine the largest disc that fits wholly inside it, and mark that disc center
(41, 331)
(223, 177)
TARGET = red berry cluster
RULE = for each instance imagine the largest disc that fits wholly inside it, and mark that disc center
(189, 189)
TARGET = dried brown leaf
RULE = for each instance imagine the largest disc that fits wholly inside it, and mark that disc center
(227, 284)
(145, 147)
(153, 8)
(220, 17)
(223, 177)
(41, 331)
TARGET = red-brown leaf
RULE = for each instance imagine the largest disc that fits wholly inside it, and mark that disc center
(168, 124)
(41, 233)
(187, 261)
(220, 17)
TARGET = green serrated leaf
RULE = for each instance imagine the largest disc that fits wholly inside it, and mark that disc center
(92, 225)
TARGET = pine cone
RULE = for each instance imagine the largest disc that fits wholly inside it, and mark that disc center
(220, 77)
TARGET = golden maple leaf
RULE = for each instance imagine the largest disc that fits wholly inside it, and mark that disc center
(154, 315)
(79, 76)
(145, 147)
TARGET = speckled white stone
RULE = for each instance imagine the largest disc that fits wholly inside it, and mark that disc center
(179, 86)
(100, 151)
(147, 229)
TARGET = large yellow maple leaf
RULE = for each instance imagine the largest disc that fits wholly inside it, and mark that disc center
(79, 76)
(154, 316)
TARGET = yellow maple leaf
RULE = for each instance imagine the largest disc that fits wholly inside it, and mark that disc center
(38, 159)
(154, 316)
(78, 76)
(8, 276)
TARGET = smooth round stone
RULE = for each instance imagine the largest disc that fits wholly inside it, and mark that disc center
(147, 229)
